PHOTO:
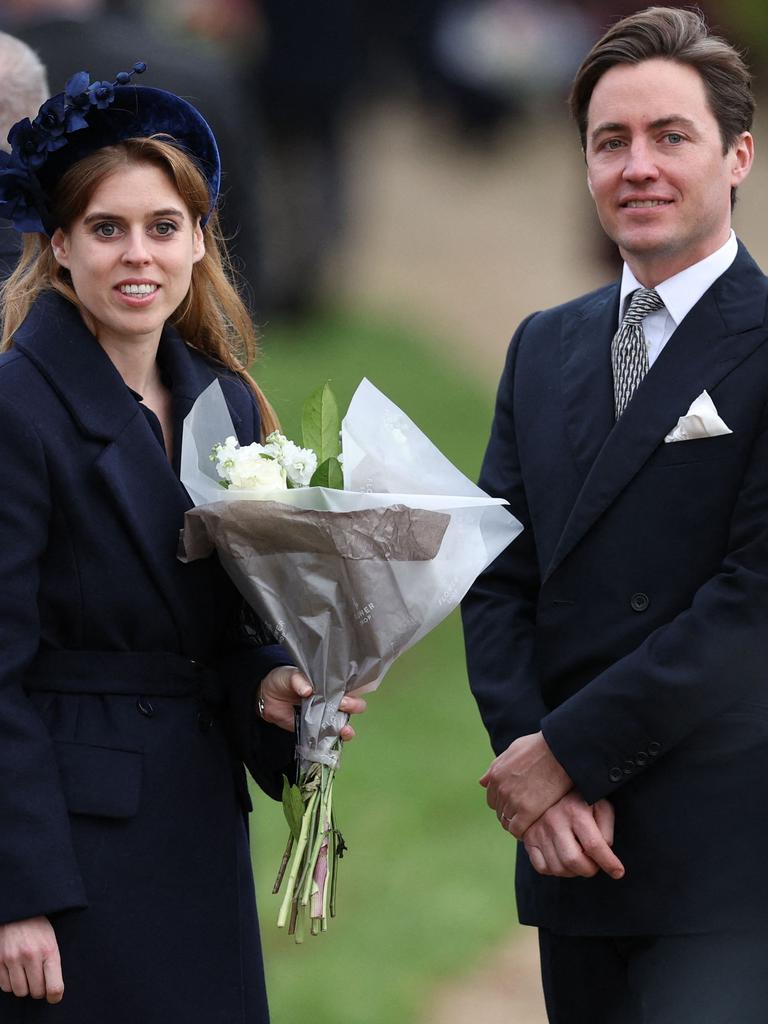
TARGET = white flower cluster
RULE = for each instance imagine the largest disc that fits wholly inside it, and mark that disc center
(298, 463)
(264, 467)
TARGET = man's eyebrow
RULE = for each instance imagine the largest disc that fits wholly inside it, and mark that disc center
(660, 122)
(170, 211)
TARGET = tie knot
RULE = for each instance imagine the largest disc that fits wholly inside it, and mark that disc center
(642, 302)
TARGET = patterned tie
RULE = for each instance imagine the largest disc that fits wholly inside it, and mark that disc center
(629, 354)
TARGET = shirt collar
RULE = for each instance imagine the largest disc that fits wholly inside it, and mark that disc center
(681, 292)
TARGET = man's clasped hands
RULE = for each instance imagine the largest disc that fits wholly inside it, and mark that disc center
(534, 798)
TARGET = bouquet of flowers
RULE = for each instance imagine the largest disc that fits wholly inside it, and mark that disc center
(347, 579)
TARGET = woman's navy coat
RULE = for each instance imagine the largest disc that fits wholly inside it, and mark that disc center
(126, 696)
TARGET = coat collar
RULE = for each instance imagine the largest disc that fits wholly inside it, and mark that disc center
(55, 338)
(721, 330)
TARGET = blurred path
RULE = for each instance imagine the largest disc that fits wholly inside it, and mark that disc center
(465, 243)
(506, 990)
(457, 239)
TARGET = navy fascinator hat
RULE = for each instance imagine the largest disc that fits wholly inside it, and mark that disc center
(84, 118)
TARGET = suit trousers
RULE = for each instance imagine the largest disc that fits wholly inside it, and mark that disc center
(714, 978)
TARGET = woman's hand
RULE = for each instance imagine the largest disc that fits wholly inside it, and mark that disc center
(30, 964)
(285, 687)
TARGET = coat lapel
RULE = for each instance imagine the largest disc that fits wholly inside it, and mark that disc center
(138, 476)
(721, 330)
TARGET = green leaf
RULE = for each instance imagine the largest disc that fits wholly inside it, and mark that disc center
(320, 424)
(293, 807)
(328, 474)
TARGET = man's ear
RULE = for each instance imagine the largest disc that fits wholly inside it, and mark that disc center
(742, 155)
(60, 247)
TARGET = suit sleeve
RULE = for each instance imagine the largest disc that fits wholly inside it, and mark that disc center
(687, 671)
(38, 870)
(499, 610)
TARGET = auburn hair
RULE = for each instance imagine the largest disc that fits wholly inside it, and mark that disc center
(212, 317)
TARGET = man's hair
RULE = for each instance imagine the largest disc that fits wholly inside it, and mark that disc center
(23, 84)
(678, 35)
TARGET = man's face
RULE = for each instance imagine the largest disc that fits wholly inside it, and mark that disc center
(656, 167)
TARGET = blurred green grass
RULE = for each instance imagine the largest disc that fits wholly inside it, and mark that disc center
(426, 887)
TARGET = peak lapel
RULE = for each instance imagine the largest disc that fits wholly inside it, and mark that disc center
(721, 330)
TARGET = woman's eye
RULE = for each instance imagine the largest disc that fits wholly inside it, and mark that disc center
(106, 230)
(165, 227)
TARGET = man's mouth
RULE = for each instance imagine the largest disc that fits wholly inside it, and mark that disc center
(641, 204)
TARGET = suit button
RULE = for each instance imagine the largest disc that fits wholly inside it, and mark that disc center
(639, 602)
(145, 707)
(641, 758)
(615, 775)
(629, 766)
(654, 748)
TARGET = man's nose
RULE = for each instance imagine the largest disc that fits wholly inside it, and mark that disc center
(640, 163)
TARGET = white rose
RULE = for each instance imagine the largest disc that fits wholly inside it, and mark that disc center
(254, 472)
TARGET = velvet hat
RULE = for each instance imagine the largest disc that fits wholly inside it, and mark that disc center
(84, 118)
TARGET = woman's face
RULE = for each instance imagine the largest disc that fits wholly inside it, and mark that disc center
(130, 254)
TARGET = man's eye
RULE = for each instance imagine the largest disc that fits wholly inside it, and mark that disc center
(612, 144)
(674, 137)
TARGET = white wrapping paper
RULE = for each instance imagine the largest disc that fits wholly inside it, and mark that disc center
(347, 580)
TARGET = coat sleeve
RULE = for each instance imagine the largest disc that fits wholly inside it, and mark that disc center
(686, 672)
(499, 610)
(38, 870)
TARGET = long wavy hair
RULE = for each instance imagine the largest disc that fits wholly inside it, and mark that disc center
(212, 317)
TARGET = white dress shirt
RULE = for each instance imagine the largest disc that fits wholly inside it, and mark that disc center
(679, 295)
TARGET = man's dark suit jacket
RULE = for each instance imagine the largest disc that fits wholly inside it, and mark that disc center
(629, 621)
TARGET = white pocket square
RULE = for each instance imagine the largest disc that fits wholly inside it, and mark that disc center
(701, 420)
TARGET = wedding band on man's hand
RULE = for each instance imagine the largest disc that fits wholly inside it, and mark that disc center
(504, 818)
(260, 704)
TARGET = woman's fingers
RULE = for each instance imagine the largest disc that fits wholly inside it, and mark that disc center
(352, 705)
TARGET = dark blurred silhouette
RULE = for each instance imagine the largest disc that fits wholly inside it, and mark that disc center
(312, 67)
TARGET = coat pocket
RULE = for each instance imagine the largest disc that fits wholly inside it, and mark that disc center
(101, 781)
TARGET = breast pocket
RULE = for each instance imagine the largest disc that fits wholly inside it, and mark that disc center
(100, 781)
(701, 449)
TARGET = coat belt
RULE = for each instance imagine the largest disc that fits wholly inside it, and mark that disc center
(130, 673)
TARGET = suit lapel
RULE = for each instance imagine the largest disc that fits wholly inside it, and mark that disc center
(587, 380)
(721, 330)
(146, 491)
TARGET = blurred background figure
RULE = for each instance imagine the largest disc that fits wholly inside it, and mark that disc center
(23, 88)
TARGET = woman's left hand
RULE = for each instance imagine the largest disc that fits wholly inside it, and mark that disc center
(285, 687)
